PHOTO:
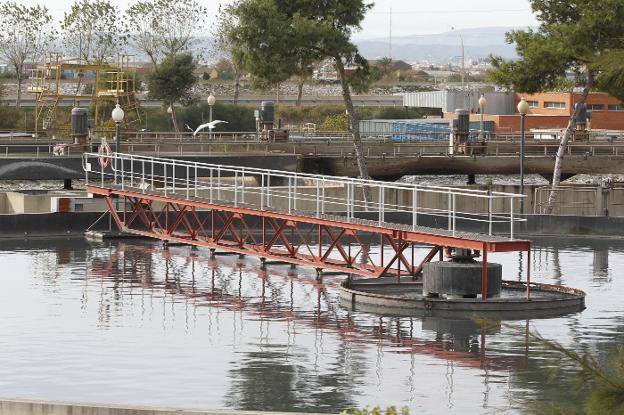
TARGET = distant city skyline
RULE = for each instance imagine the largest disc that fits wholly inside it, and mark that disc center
(408, 16)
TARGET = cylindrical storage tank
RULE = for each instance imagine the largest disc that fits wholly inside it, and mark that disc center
(267, 112)
(79, 125)
(449, 279)
(462, 121)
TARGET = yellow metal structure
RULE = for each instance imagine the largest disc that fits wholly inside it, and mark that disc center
(102, 86)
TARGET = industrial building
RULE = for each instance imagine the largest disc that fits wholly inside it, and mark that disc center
(549, 110)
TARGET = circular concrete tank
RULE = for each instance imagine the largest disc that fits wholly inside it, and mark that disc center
(460, 279)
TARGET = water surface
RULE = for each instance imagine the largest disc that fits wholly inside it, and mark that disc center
(133, 323)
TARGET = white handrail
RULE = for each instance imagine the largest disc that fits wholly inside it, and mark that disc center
(300, 193)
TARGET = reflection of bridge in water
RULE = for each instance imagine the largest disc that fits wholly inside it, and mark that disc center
(288, 297)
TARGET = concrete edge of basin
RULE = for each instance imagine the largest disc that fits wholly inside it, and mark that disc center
(14, 406)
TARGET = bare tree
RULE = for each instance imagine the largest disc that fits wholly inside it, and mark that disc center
(91, 31)
(163, 28)
(25, 34)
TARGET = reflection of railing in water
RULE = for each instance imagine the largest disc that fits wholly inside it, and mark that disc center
(393, 332)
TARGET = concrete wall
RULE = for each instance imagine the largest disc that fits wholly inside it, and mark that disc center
(24, 407)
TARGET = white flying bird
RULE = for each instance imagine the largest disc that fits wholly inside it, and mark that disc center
(209, 125)
(188, 128)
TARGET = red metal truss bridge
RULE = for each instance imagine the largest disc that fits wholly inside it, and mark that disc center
(320, 221)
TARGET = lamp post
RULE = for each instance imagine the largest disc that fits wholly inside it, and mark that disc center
(482, 103)
(523, 108)
(118, 116)
(211, 101)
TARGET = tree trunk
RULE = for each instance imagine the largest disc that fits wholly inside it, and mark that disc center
(20, 79)
(174, 119)
(299, 92)
(354, 128)
(237, 77)
(552, 198)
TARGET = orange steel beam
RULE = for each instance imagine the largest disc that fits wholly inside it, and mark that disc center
(476, 243)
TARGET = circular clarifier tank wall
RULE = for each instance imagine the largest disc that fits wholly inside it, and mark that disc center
(387, 296)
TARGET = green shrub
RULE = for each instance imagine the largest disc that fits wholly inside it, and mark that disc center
(10, 117)
(335, 123)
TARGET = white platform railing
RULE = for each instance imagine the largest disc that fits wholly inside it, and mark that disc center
(304, 194)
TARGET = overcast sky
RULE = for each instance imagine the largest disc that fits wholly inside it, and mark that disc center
(409, 17)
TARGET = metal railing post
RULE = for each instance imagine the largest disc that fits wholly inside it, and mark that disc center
(188, 183)
(324, 185)
(173, 177)
(382, 216)
(219, 182)
(449, 207)
(211, 185)
(235, 188)
(295, 192)
(318, 199)
(454, 213)
(243, 186)
(512, 217)
(122, 173)
(289, 195)
(414, 209)
(490, 212)
(195, 181)
(262, 192)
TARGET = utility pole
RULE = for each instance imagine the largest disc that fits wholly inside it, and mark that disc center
(390, 37)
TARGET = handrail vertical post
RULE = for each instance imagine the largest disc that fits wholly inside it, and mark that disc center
(165, 176)
(152, 163)
(511, 203)
(324, 185)
(289, 195)
(195, 180)
(243, 186)
(219, 182)
(318, 199)
(188, 183)
(236, 188)
(173, 177)
(211, 185)
(143, 175)
(382, 215)
(414, 209)
(454, 213)
(295, 192)
(268, 190)
(490, 212)
(262, 192)
(449, 208)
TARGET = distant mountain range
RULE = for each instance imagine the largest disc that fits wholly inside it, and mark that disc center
(442, 47)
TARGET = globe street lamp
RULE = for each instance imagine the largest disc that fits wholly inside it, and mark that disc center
(118, 116)
(523, 108)
(211, 101)
(482, 103)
